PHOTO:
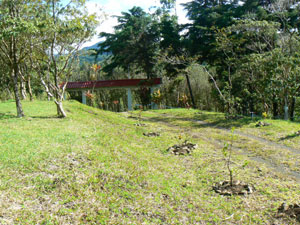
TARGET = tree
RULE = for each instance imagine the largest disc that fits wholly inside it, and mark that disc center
(237, 69)
(175, 57)
(17, 26)
(206, 15)
(258, 64)
(134, 44)
(167, 5)
(64, 29)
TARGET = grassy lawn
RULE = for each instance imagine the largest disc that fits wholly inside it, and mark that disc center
(97, 167)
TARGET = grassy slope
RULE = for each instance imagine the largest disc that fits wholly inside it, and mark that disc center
(96, 167)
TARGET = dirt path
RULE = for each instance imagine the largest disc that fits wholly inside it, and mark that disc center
(218, 143)
(250, 136)
(269, 163)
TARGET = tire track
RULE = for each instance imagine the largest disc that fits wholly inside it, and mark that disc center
(276, 167)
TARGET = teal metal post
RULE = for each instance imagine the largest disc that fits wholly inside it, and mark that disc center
(129, 99)
(83, 97)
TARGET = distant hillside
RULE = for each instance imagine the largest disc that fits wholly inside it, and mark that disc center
(94, 46)
(85, 54)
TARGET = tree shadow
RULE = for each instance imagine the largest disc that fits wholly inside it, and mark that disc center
(291, 136)
(46, 117)
(200, 120)
(5, 116)
(223, 122)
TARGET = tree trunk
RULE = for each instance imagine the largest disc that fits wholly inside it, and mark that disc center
(286, 108)
(47, 89)
(29, 88)
(60, 110)
(190, 90)
(23, 89)
(292, 111)
(20, 112)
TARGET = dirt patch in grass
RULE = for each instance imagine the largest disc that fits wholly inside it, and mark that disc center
(140, 124)
(292, 211)
(151, 134)
(185, 148)
(262, 124)
(236, 188)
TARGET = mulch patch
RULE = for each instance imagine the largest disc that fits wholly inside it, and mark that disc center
(262, 124)
(237, 188)
(140, 124)
(292, 211)
(151, 134)
(182, 149)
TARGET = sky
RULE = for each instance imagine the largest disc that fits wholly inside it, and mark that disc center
(115, 7)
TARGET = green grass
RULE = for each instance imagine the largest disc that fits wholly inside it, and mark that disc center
(96, 167)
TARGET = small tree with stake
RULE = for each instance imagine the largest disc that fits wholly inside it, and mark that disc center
(232, 187)
(227, 153)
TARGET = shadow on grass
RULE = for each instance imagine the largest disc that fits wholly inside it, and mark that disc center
(4, 116)
(222, 121)
(204, 120)
(291, 136)
(46, 117)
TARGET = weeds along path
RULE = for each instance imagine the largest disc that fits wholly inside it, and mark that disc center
(278, 157)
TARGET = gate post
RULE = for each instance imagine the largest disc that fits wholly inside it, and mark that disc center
(83, 97)
(129, 99)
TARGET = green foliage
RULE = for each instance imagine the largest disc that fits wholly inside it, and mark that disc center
(144, 96)
(168, 4)
(134, 43)
(250, 45)
(260, 63)
(41, 38)
(157, 97)
(264, 115)
(65, 29)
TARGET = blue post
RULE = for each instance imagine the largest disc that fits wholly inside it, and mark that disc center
(129, 99)
(83, 97)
